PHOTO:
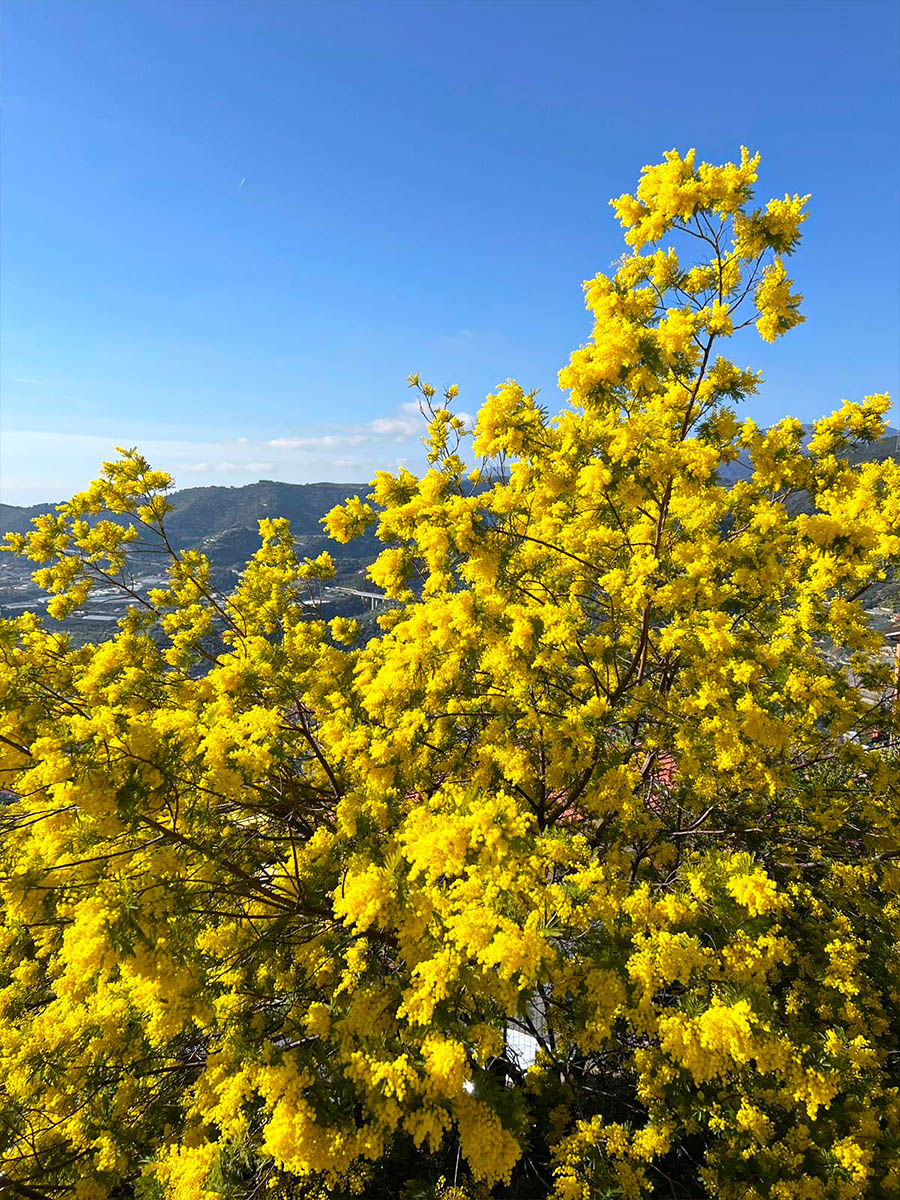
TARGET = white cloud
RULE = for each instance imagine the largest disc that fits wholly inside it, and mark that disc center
(396, 427)
(241, 466)
(38, 466)
(285, 443)
(328, 441)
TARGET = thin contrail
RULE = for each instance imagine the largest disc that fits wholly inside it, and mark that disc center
(241, 184)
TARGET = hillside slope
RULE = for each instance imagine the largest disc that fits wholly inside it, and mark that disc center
(223, 520)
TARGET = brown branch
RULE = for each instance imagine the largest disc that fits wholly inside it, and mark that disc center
(15, 745)
(10, 1186)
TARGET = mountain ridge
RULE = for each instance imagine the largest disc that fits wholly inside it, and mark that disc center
(221, 508)
(223, 520)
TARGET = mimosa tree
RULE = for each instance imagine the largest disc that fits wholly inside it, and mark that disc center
(279, 905)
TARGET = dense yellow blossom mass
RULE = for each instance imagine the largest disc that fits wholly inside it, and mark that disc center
(278, 905)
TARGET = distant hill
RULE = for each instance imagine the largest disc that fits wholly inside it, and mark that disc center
(888, 447)
(223, 520)
(202, 511)
(15, 519)
(876, 452)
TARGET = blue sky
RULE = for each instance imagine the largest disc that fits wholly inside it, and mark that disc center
(231, 229)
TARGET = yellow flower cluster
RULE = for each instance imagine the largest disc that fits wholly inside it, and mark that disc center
(579, 879)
